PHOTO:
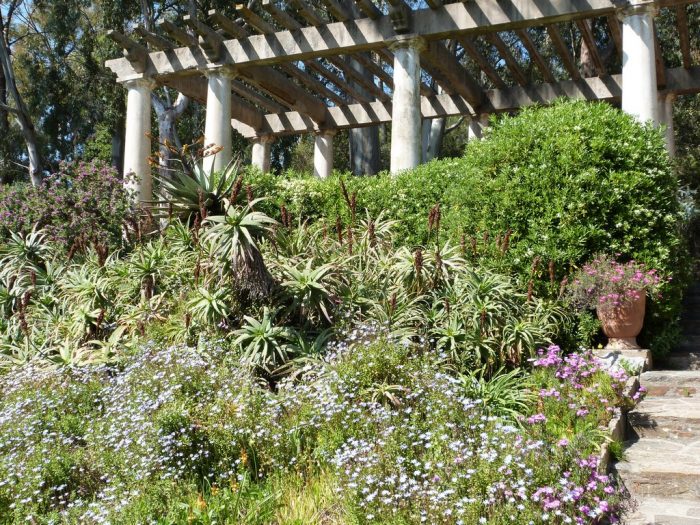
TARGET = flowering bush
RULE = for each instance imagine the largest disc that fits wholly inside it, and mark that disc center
(606, 282)
(374, 433)
(84, 203)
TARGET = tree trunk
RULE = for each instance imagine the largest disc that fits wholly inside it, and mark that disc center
(167, 115)
(20, 112)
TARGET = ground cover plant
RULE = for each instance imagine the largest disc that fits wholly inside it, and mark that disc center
(375, 432)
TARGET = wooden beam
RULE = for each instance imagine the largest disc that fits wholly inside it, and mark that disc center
(680, 81)
(434, 4)
(683, 34)
(615, 33)
(195, 87)
(450, 74)
(471, 49)
(256, 21)
(369, 9)
(270, 106)
(209, 40)
(660, 65)
(308, 13)
(286, 21)
(179, 35)
(313, 84)
(364, 34)
(535, 55)
(587, 35)
(153, 39)
(508, 57)
(563, 51)
(278, 85)
(227, 25)
(135, 53)
(340, 12)
(444, 105)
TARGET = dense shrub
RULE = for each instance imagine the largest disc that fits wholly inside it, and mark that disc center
(84, 202)
(541, 195)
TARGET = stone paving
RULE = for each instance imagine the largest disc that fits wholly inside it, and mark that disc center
(661, 463)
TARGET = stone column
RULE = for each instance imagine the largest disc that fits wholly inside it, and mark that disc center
(261, 152)
(323, 154)
(406, 147)
(639, 89)
(137, 142)
(666, 118)
(217, 127)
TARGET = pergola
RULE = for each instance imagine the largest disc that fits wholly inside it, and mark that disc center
(267, 83)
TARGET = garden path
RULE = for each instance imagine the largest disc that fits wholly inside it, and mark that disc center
(661, 466)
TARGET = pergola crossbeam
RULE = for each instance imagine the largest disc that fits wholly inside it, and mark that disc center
(683, 35)
(584, 27)
(680, 80)
(508, 57)
(563, 52)
(364, 34)
(179, 35)
(481, 61)
(536, 55)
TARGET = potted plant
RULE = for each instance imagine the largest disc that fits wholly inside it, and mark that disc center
(617, 291)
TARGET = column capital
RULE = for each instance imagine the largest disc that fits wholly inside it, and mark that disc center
(325, 132)
(412, 41)
(639, 7)
(264, 138)
(136, 83)
(220, 71)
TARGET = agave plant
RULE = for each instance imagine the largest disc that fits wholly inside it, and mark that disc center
(311, 289)
(234, 238)
(209, 307)
(24, 253)
(195, 189)
(263, 344)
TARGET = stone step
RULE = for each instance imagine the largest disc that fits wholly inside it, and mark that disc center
(661, 468)
(685, 357)
(671, 378)
(664, 511)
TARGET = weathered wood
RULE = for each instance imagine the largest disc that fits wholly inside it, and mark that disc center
(280, 87)
(535, 55)
(270, 106)
(587, 34)
(443, 105)
(563, 52)
(195, 87)
(339, 11)
(471, 49)
(209, 40)
(135, 53)
(365, 34)
(178, 34)
(615, 33)
(434, 4)
(508, 57)
(450, 74)
(227, 25)
(683, 35)
(153, 39)
(369, 9)
(660, 66)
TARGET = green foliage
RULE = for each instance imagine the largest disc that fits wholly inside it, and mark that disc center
(539, 197)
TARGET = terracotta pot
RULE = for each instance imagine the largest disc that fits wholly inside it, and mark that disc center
(622, 324)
